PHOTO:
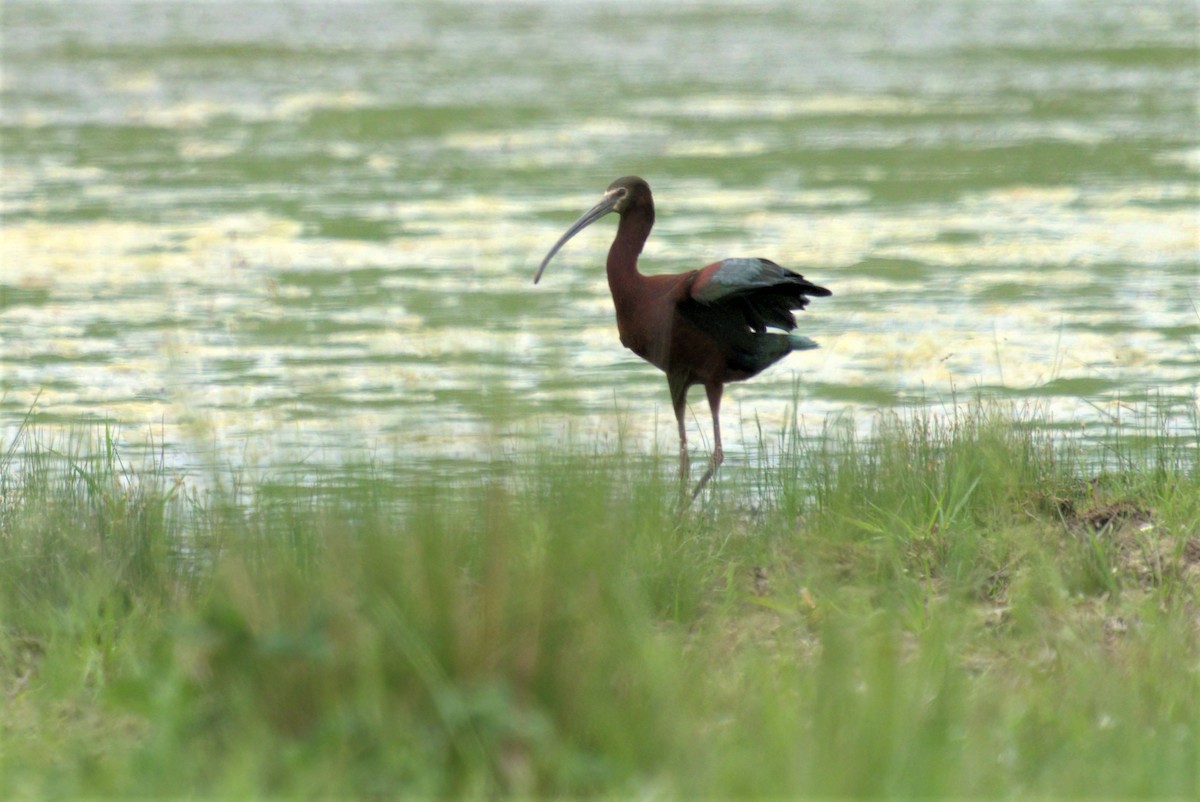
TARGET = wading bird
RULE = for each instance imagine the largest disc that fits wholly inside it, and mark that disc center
(706, 326)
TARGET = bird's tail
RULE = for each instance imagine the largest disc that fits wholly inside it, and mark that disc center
(801, 343)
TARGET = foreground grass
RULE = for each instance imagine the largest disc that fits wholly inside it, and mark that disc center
(946, 608)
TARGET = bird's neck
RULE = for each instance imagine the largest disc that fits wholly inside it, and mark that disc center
(632, 232)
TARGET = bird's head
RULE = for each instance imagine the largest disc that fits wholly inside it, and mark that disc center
(622, 196)
(628, 192)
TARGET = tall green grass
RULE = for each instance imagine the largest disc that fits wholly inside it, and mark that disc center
(949, 606)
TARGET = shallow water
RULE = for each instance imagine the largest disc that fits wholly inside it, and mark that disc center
(277, 233)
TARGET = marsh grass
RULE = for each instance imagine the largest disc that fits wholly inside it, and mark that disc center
(953, 605)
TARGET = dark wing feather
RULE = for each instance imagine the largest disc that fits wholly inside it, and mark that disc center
(761, 290)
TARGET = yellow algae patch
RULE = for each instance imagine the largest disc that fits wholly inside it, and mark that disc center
(485, 141)
(715, 148)
(548, 146)
(135, 82)
(301, 104)
(37, 253)
(537, 147)
(189, 114)
(397, 338)
(223, 250)
(1023, 226)
(33, 119)
(120, 253)
(26, 177)
(204, 149)
(1189, 159)
(739, 107)
(812, 238)
(194, 113)
(703, 196)
(465, 210)
(380, 163)
(1119, 196)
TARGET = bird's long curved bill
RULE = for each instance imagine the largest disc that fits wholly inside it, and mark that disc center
(590, 216)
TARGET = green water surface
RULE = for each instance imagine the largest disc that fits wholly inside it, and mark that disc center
(278, 231)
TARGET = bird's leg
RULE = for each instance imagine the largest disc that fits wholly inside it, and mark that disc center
(678, 385)
(685, 467)
(718, 455)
